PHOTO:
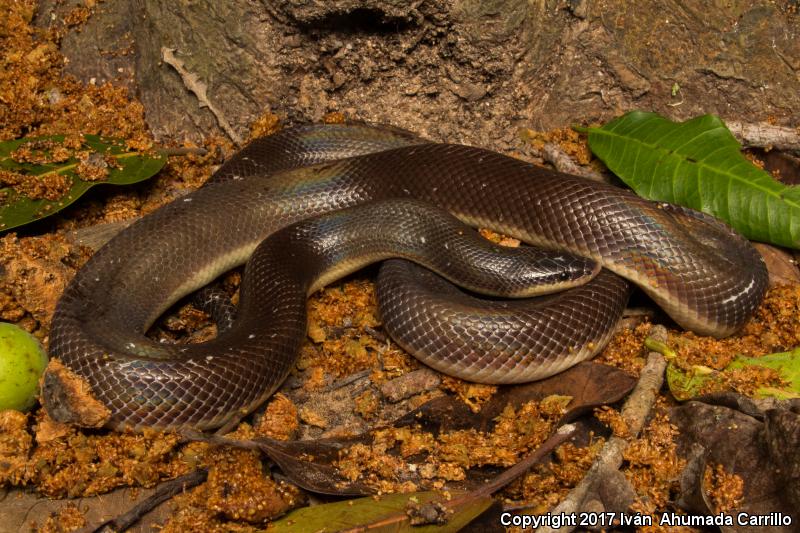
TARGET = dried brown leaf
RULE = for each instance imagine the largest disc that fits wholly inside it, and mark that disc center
(718, 435)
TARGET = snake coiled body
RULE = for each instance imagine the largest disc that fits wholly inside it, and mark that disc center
(99, 325)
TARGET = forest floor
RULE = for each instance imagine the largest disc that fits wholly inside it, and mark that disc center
(60, 478)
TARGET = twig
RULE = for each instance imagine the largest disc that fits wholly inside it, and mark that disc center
(162, 493)
(634, 413)
(184, 151)
(762, 135)
(347, 380)
(561, 435)
(485, 492)
(553, 154)
(193, 83)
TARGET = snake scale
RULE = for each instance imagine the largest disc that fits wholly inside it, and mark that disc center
(334, 198)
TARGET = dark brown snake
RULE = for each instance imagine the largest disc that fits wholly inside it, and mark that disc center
(349, 195)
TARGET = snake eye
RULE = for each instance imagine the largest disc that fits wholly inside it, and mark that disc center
(564, 276)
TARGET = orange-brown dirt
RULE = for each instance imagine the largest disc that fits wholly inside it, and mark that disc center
(241, 494)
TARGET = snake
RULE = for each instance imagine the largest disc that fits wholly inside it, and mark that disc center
(309, 204)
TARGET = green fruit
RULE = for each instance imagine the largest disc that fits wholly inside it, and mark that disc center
(22, 361)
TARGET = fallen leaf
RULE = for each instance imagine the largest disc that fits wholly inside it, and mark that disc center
(419, 511)
(21, 207)
(588, 384)
(24, 510)
(718, 435)
(310, 464)
(781, 266)
(687, 384)
(422, 512)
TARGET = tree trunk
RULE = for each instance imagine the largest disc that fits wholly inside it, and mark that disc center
(457, 70)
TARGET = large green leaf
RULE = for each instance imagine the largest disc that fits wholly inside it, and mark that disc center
(17, 209)
(698, 164)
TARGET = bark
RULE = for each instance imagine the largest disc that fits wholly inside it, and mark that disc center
(457, 70)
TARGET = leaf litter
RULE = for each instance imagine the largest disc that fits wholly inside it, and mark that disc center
(486, 433)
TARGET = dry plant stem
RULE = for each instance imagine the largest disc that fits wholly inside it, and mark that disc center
(348, 380)
(561, 435)
(184, 151)
(193, 83)
(762, 135)
(634, 413)
(164, 492)
(553, 154)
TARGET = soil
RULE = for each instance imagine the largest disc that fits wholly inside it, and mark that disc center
(464, 71)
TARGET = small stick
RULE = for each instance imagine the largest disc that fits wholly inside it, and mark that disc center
(762, 135)
(634, 413)
(561, 435)
(552, 153)
(163, 492)
(184, 151)
(193, 83)
(347, 380)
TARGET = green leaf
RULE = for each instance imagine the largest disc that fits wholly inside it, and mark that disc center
(698, 164)
(786, 363)
(385, 513)
(685, 385)
(18, 209)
